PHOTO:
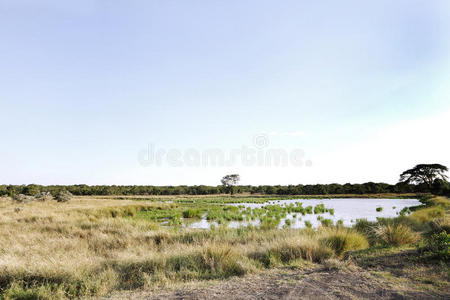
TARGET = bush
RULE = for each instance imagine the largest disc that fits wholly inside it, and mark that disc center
(438, 247)
(438, 225)
(63, 196)
(44, 196)
(395, 235)
(379, 209)
(23, 198)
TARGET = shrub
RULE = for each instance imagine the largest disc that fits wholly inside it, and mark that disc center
(438, 247)
(395, 234)
(438, 225)
(379, 209)
(308, 224)
(23, 198)
(44, 196)
(64, 196)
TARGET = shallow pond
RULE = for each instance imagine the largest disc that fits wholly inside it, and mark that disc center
(347, 210)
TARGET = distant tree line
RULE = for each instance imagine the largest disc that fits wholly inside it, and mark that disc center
(437, 187)
(423, 178)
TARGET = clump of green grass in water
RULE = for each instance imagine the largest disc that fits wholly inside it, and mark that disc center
(395, 234)
(308, 224)
(269, 223)
(192, 213)
(405, 211)
(326, 222)
(379, 209)
(227, 213)
(319, 209)
(287, 223)
(170, 216)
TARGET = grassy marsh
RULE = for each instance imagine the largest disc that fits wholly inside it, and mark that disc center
(91, 246)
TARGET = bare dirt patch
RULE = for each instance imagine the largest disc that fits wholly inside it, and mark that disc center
(315, 283)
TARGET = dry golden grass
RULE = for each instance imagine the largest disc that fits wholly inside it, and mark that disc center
(89, 246)
(440, 209)
(93, 245)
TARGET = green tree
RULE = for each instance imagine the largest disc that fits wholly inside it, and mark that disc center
(229, 182)
(31, 190)
(424, 173)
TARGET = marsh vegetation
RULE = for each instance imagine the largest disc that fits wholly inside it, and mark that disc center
(90, 246)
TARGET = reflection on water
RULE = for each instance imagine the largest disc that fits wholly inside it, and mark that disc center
(347, 210)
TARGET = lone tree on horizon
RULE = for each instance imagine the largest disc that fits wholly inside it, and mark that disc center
(424, 173)
(229, 181)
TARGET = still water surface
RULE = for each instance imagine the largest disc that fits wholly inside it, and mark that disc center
(347, 210)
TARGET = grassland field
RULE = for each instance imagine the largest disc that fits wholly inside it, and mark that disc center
(98, 246)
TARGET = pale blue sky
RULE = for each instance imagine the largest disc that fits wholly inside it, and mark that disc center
(85, 85)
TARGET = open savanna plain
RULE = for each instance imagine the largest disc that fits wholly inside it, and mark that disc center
(141, 247)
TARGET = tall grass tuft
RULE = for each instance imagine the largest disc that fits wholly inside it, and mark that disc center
(396, 234)
(341, 240)
(220, 261)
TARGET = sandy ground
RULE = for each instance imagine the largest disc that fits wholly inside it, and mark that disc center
(314, 283)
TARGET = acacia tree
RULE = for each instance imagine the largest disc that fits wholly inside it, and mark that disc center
(424, 173)
(229, 181)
